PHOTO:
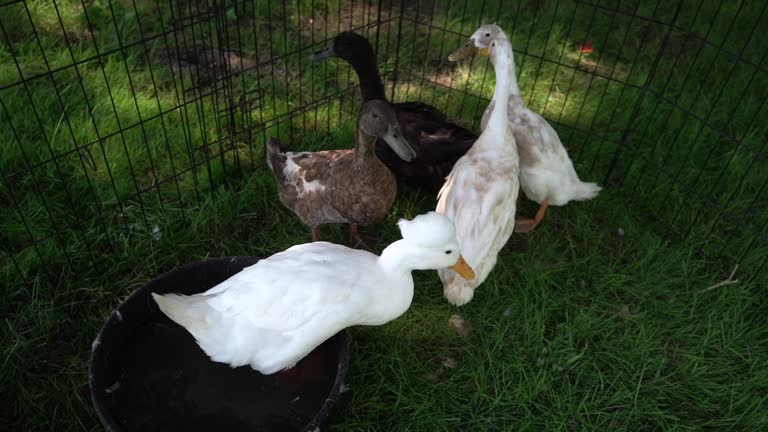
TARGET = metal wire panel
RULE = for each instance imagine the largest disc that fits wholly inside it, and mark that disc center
(134, 111)
(644, 113)
(199, 84)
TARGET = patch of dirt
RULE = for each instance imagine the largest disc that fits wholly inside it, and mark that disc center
(318, 21)
(618, 71)
(205, 63)
(75, 36)
(446, 73)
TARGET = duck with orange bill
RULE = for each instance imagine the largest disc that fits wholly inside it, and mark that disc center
(547, 175)
(480, 194)
(272, 314)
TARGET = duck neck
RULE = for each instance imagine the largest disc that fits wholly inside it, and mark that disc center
(399, 258)
(365, 146)
(371, 86)
(506, 80)
(395, 293)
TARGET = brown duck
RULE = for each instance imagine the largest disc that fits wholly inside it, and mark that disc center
(438, 142)
(342, 186)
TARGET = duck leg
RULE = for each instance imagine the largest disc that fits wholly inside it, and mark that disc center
(526, 225)
(358, 240)
(315, 234)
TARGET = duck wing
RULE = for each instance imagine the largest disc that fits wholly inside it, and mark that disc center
(546, 169)
(480, 197)
(296, 169)
(287, 290)
(438, 143)
(424, 111)
(281, 307)
(304, 180)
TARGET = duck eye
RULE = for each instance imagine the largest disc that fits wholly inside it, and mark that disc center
(448, 252)
(487, 35)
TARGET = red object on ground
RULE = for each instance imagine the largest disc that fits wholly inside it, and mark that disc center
(585, 47)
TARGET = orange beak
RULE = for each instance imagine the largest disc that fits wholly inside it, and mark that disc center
(465, 51)
(463, 269)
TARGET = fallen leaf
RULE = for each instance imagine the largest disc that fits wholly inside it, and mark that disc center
(450, 363)
(459, 326)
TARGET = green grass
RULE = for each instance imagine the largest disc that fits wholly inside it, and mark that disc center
(599, 320)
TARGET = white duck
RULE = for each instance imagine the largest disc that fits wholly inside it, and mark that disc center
(480, 194)
(274, 313)
(547, 175)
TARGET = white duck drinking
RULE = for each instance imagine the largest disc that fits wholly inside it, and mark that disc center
(547, 175)
(480, 194)
(274, 313)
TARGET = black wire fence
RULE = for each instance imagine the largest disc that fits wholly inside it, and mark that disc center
(118, 116)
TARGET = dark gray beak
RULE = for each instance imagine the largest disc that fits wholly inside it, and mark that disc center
(394, 138)
(323, 53)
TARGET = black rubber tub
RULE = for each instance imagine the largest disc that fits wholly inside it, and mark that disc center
(148, 374)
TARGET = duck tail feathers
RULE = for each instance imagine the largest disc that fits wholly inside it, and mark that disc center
(275, 156)
(186, 311)
(585, 191)
(274, 146)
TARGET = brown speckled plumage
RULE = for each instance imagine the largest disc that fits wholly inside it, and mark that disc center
(339, 186)
(438, 142)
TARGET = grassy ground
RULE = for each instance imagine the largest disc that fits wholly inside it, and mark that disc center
(601, 319)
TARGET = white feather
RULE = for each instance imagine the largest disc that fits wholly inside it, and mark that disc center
(480, 194)
(428, 230)
(272, 314)
(296, 176)
(547, 171)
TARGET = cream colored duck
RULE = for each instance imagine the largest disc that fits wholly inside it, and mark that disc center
(274, 313)
(547, 175)
(480, 193)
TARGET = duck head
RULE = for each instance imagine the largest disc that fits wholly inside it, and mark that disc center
(378, 119)
(349, 46)
(479, 42)
(429, 243)
(358, 52)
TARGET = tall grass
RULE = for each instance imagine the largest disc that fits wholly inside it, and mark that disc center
(128, 160)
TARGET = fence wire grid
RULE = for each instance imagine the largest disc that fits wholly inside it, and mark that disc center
(130, 112)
